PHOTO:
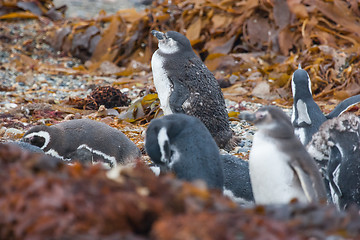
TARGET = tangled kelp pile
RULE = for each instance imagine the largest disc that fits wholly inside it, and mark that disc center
(253, 40)
(44, 199)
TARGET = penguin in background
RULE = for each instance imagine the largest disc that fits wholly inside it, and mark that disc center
(280, 167)
(307, 116)
(185, 85)
(84, 140)
(182, 144)
(336, 149)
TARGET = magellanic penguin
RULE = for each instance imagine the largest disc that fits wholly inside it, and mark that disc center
(237, 183)
(307, 116)
(336, 148)
(280, 167)
(182, 144)
(185, 85)
(84, 140)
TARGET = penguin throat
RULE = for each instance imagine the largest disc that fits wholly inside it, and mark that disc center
(168, 46)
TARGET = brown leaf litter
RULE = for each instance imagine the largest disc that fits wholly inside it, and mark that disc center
(45, 199)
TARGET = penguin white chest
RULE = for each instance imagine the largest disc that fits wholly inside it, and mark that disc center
(272, 179)
(162, 82)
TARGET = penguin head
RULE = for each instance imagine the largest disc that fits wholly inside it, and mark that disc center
(301, 84)
(270, 118)
(38, 136)
(172, 42)
(160, 137)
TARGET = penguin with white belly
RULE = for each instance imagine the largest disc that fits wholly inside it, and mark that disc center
(185, 85)
(307, 117)
(84, 140)
(280, 167)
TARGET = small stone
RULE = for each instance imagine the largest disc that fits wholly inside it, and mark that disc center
(13, 133)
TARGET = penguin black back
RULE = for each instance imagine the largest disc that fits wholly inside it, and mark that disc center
(237, 183)
(307, 116)
(183, 144)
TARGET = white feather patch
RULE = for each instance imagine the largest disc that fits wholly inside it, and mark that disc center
(105, 156)
(303, 115)
(238, 200)
(271, 177)
(162, 139)
(161, 81)
(54, 153)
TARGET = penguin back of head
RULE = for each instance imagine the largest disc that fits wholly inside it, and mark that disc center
(184, 145)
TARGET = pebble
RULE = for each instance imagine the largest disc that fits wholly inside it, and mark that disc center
(13, 133)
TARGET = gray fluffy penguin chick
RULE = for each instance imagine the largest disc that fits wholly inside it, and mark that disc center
(185, 85)
(237, 183)
(336, 149)
(89, 140)
(280, 167)
(307, 117)
(182, 144)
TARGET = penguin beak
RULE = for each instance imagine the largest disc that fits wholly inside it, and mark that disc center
(251, 117)
(158, 35)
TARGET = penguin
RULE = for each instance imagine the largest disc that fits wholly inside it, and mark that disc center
(84, 140)
(307, 116)
(185, 85)
(336, 148)
(181, 144)
(279, 165)
(237, 183)
(26, 146)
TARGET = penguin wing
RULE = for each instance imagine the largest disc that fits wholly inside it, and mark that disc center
(343, 106)
(178, 96)
(305, 181)
(204, 93)
(333, 168)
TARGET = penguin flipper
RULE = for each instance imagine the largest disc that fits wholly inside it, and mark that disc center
(178, 97)
(305, 182)
(333, 167)
(343, 106)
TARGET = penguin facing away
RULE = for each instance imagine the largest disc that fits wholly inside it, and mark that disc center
(307, 117)
(185, 85)
(336, 148)
(182, 144)
(280, 167)
(84, 140)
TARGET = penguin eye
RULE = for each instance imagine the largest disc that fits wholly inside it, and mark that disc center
(37, 141)
(261, 115)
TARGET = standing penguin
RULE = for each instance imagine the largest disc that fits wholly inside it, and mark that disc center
(182, 144)
(84, 140)
(307, 117)
(185, 85)
(336, 149)
(280, 168)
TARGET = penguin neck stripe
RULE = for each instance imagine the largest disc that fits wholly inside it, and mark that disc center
(162, 139)
(43, 134)
(107, 157)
